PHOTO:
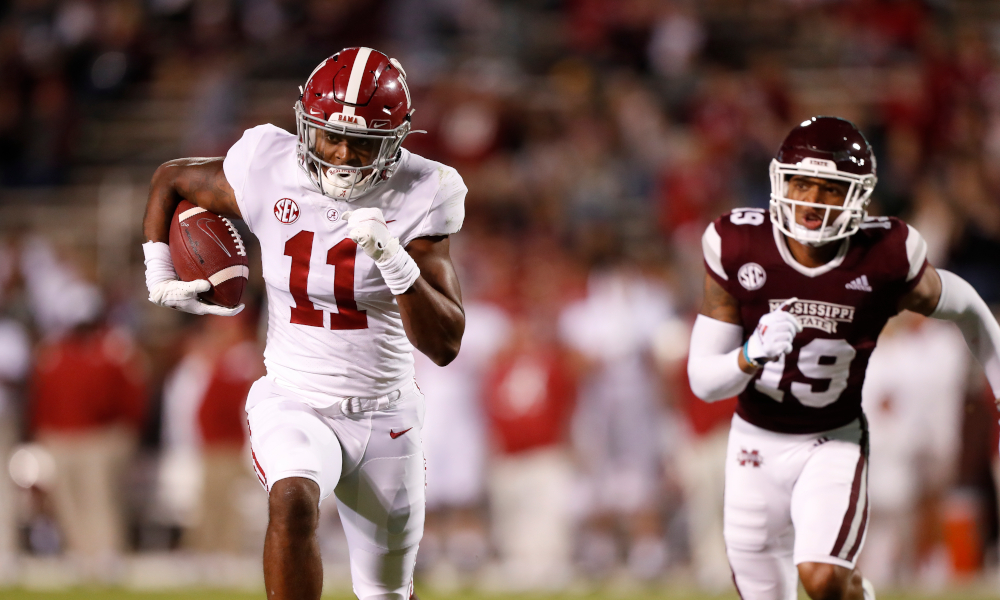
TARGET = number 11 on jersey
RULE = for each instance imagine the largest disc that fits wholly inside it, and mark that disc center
(341, 257)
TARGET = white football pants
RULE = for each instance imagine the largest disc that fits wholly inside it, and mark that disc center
(789, 499)
(373, 461)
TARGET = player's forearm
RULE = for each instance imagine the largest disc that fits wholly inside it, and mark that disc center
(200, 181)
(161, 204)
(961, 304)
(714, 362)
(433, 322)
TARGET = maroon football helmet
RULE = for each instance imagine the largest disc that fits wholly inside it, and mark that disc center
(360, 94)
(829, 148)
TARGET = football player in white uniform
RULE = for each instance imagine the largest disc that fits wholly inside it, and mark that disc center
(355, 250)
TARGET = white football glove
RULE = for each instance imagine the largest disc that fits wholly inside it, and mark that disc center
(773, 336)
(166, 290)
(369, 230)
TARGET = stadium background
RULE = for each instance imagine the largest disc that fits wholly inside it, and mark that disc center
(597, 140)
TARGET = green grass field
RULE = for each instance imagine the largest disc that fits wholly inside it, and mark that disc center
(661, 593)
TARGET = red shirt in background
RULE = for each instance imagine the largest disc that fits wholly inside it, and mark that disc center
(88, 380)
(529, 399)
(221, 417)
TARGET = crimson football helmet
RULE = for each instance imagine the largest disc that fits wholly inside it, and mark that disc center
(359, 94)
(829, 148)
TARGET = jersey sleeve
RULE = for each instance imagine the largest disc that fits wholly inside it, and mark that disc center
(916, 254)
(902, 254)
(447, 210)
(236, 167)
(711, 248)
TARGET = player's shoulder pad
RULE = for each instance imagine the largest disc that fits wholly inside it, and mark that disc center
(446, 211)
(916, 251)
(711, 248)
(741, 225)
(451, 196)
(267, 130)
(900, 238)
(241, 155)
(262, 135)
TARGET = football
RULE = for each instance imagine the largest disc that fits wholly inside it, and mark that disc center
(204, 245)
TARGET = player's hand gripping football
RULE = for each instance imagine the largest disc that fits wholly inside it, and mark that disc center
(773, 336)
(369, 230)
(166, 290)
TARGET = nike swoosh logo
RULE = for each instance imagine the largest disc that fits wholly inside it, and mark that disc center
(395, 435)
(205, 225)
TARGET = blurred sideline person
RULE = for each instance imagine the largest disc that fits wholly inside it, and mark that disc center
(354, 233)
(221, 424)
(87, 406)
(695, 454)
(913, 397)
(180, 476)
(455, 444)
(15, 363)
(529, 401)
(618, 418)
(793, 307)
(700, 463)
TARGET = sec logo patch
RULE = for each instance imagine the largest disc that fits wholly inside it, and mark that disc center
(286, 210)
(751, 276)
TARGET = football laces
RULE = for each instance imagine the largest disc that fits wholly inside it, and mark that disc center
(240, 248)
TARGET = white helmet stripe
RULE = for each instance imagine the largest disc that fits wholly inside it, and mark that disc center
(354, 83)
(406, 90)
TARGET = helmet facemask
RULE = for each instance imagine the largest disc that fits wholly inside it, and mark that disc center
(346, 182)
(839, 222)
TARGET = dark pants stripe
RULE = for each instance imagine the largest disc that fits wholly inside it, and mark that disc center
(861, 533)
(852, 506)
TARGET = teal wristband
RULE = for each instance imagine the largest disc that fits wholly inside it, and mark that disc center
(747, 358)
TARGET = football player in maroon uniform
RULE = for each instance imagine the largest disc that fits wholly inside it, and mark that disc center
(793, 307)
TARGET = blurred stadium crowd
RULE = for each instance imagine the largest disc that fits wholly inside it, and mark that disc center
(597, 139)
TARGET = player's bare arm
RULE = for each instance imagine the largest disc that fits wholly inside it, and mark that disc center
(720, 305)
(200, 181)
(432, 309)
(923, 299)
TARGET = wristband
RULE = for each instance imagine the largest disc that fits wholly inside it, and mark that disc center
(753, 363)
(399, 271)
(159, 266)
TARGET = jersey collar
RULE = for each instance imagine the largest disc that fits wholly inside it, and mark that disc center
(786, 255)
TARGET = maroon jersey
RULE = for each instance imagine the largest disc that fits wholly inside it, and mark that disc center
(842, 306)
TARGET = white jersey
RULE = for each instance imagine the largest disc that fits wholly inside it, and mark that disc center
(334, 328)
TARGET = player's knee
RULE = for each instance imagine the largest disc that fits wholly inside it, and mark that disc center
(824, 581)
(293, 506)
